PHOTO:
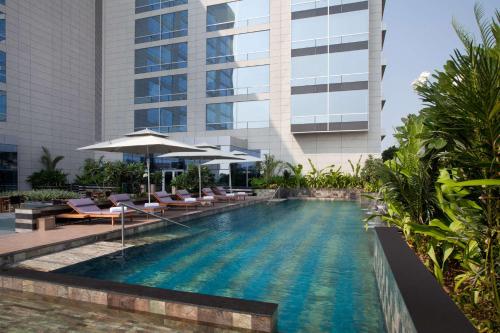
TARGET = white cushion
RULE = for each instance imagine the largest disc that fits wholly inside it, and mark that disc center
(208, 197)
(189, 199)
(230, 195)
(241, 193)
(116, 209)
(151, 204)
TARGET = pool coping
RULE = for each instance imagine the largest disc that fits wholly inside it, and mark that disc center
(13, 257)
(430, 308)
(217, 310)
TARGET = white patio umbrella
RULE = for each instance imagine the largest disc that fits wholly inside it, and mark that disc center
(209, 153)
(245, 158)
(143, 142)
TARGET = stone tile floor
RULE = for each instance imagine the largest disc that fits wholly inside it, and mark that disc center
(26, 312)
(73, 256)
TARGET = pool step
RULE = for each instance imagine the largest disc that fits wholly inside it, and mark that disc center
(73, 256)
(276, 200)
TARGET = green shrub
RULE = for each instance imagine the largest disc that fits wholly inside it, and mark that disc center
(190, 181)
(43, 195)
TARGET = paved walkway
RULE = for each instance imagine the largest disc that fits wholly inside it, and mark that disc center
(26, 313)
(73, 256)
(22, 241)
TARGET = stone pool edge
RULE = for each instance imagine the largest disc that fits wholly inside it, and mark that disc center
(411, 298)
(216, 310)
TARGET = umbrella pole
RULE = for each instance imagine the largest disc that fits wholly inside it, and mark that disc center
(230, 182)
(149, 179)
(199, 179)
(246, 167)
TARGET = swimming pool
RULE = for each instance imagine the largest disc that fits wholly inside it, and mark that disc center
(313, 258)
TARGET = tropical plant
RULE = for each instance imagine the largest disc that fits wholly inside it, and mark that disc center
(190, 179)
(296, 171)
(369, 174)
(49, 176)
(270, 167)
(442, 187)
(92, 172)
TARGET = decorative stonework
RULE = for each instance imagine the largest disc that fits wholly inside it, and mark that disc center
(137, 299)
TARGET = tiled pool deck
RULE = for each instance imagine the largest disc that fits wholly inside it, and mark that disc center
(21, 246)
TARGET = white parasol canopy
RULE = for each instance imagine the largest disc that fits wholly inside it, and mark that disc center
(209, 153)
(245, 159)
(143, 142)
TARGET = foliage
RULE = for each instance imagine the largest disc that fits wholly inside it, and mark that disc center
(442, 188)
(270, 167)
(296, 171)
(43, 195)
(369, 174)
(49, 176)
(112, 174)
(190, 180)
(46, 178)
(388, 154)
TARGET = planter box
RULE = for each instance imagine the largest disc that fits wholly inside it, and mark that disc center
(412, 300)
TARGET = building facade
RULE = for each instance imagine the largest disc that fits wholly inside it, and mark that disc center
(47, 97)
(299, 79)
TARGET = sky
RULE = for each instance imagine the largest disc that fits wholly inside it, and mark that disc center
(419, 38)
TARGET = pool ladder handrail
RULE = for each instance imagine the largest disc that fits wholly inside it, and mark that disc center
(123, 205)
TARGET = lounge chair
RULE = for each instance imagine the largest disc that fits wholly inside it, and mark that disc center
(208, 192)
(219, 190)
(124, 198)
(165, 199)
(87, 209)
(183, 195)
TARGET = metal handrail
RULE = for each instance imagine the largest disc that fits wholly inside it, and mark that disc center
(123, 205)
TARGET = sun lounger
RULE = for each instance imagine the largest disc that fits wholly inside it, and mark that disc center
(124, 198)
(86, 208)
(185, 195)
(165, 199)
(219, 190)
(208, 192)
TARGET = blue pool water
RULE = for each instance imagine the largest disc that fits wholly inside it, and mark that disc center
(312, 258)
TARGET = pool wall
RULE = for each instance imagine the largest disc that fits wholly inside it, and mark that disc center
(411, 298)
(221, 311)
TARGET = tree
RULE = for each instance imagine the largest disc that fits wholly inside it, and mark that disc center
(49, 176)
(297, 173)
(49, 163)
(270, 167)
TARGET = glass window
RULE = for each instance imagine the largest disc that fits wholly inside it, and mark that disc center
(8, 167)
(2, 2)
(349, 66)
(349, 102)
(2, 26)
(174, 25)
(225, 116)
(311, 28)
(161, 89)
(158, 27)
(3, 106)
(147, 90)
(147, 60)
(142, 6)
(303, 113)
(238, 81)
(309, 70)
(349, 23)
(161, 58)
(249, 46)
(237, 14)
(147, 29)
(173, 119)
(173, 88)
(3, 67)
(165, 120)
(147, 118)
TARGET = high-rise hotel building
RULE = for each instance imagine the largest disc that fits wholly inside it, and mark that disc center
(299, 79)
